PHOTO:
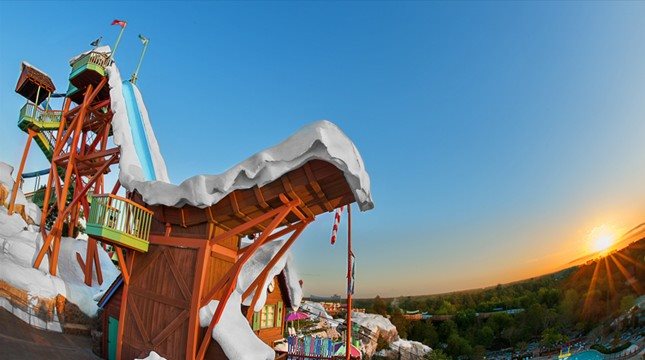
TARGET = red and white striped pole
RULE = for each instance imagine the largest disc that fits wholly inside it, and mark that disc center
(350, 285)
(334, 230)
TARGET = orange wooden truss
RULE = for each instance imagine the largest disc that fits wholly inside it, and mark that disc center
(80, 160)
(226, 285)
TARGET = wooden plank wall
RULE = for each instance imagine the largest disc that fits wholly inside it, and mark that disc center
(216, 268)
(112, 308)
(270, 335)
(156, 312)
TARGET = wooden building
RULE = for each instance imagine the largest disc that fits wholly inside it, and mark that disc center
(194, 256)
(268, 324)
(111, 305)
(174, 259)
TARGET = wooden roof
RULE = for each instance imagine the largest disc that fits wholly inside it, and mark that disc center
(29, 81)
(320, 186)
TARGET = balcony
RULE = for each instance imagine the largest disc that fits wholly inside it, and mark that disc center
(89, 69)
(119, 221)
(38, 119)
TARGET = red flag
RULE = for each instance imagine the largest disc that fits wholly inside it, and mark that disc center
(121, 23)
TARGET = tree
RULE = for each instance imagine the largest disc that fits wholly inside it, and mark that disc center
(437, 354)
(446, 329)
(627, 302)
(549, 297)
(533, 319)
(465, 318)
(551, 337)
(424, 332)
(402, 324)
(458, 346)
(485, 336)
(569, 307)
(499, 321)
(379, 306)
(446, 308)
(479, 353)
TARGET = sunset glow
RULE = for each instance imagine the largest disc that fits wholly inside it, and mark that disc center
(602, 238)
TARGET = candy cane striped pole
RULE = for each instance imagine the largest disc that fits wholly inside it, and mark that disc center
(334, 230)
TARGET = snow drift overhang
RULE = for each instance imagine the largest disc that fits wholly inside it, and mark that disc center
(320, 186)
(319, 163)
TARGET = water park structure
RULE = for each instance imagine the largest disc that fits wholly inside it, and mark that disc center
(198, 260)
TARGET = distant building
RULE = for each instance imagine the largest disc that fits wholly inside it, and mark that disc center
(335, 308)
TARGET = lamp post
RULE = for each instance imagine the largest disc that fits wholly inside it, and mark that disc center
(145, 42)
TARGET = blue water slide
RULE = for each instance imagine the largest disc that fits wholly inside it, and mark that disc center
(35, 174)
(138, 131)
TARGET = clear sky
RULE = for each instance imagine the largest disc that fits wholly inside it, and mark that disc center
(497, 135)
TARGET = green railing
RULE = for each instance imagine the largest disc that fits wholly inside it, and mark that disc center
(31, 110)
(94, 58)
(120, 221)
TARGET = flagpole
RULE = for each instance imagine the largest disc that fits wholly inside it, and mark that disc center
(348, 345)
(136, 72)
(118, 39)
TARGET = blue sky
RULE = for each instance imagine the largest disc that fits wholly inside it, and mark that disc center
(497, 135)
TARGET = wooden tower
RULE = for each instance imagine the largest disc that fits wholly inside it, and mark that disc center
(75, 140)
(80, 159)
(194, 256)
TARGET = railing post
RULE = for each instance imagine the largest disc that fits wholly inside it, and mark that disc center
(33, 114)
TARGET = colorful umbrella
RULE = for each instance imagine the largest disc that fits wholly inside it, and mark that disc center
(297, 315)
(354, 352)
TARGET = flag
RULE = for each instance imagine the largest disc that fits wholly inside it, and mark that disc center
(334, 229)
(350, 284)
(121, 23)
(96, 42)
(144, 40)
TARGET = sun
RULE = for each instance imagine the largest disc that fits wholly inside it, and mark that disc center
(602, 238)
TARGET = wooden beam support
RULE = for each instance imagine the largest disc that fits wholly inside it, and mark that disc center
(260, 219)
(21, 168)
(234, 272)
(316, 187)
(224, 253)
(124, 268)
(262, 277)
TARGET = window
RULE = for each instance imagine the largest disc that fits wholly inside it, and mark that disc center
(267, 317)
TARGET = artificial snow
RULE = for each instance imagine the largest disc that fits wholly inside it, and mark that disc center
(153, 356)
(321, 140)
(233, 328)
(405, 350)
(158, 161)
(411, 346)
(32, 210)
(315, 310)
(130, 167)
(373, 321)
(233, 333)
(105, 49)
(24, 63)
(294, 288)
(19, 246)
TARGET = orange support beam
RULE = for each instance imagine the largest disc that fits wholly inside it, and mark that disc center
(21, 168)
(79, 155)
(262, 277)
(276, 216)
(350, 254)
